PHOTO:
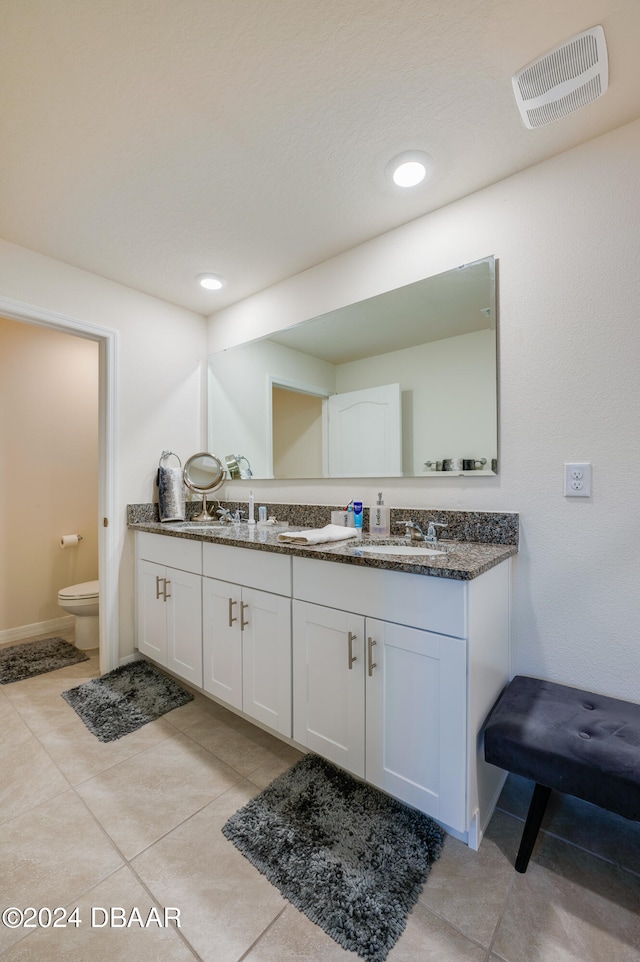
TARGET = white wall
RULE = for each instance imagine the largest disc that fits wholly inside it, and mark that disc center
(160, 376)
(568, 246)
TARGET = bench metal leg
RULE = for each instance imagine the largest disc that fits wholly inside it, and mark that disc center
(532, 826)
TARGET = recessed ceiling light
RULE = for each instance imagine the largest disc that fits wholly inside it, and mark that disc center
(212, 282)
(410, 168)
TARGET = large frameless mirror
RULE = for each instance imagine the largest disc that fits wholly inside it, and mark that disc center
(403, 384)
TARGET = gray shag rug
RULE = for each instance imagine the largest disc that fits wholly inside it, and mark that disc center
(352, 859)
(125, 699)
(18, 662)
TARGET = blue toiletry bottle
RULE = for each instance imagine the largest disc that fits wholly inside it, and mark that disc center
(357, 514)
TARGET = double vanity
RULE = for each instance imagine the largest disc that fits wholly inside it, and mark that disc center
(384, 662)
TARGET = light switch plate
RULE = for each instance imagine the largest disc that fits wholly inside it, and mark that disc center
(577, 480)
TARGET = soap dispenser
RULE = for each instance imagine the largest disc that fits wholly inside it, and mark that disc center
(379, 519)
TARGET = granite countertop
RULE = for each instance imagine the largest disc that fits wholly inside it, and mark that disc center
(462, 560)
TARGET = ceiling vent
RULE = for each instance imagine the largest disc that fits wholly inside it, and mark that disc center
(570, 76)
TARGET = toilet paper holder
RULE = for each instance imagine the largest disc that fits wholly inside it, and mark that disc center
(70, 540)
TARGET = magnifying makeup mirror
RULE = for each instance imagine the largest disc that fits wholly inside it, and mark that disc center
(203, 473)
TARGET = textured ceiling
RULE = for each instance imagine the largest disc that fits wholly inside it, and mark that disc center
(151, 140)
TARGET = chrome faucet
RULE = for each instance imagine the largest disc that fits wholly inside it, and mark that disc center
(414, 532)
(227, 518)
(431, 531)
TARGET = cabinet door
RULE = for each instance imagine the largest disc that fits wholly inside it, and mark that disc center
(184, 624)
(151, 612)
(266, 656)
(328, 684)
(417, 719)
(222, 641)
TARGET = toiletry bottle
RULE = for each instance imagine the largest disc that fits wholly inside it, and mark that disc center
(379, 519)
(350, 522)
(357, 515)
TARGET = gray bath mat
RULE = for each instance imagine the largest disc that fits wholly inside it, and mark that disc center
(125, 699)
(352, 859)
(36, 658)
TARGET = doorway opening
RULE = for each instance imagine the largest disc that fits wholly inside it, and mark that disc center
(107, 534)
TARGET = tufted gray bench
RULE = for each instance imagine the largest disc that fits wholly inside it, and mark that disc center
(566, 739)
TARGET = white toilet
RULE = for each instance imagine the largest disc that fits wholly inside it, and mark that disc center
(83, 602)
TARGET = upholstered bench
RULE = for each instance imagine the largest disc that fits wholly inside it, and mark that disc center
(566, 739)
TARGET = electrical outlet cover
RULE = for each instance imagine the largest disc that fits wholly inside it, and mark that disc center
(577, 479)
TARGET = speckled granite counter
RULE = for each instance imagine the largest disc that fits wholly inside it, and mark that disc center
(462, 560)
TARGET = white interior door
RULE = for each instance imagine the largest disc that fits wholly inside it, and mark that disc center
(365, 433)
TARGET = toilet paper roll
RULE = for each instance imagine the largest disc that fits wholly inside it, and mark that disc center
(70, 540)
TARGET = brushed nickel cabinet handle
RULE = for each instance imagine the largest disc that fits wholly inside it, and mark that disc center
(164, 590)
(350, 639)
(243, 623)
(158, 580)
(231, 615)
(370, 643)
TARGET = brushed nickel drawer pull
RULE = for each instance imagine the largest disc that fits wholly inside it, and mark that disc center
(158, 580)
(231, 615)
(370, 643)
(164, 590)
(243, 623)
(350, 639)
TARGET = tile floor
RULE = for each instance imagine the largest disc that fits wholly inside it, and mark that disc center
(136, 824)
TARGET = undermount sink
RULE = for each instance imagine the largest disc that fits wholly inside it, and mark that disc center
(416, 550)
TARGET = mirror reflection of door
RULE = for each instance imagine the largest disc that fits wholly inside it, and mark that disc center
(296, 433)
(365, 433)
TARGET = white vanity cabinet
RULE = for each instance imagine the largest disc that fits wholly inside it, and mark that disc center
(393, 674)
(169, 603)
(246, 605)
(328, 658)
(387, 673)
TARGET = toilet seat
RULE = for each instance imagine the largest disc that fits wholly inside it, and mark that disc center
(86, 591)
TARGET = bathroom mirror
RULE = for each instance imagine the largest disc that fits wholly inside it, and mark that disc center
(203, 473)
(422, 358)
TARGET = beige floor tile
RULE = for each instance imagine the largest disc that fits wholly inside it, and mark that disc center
(274, 765)
(40, 703)
(51, 855)
(13, 729)
(142, 798)
(80, 755)
(95, 941)
(238, 743)
(570, 906)
(226, 904)
(200, 709)
(294, 938)
(29, 777)
(164, 793)
(468, 889)
(430, 939)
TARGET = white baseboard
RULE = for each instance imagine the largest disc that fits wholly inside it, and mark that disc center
(128, 659)
(39, 628)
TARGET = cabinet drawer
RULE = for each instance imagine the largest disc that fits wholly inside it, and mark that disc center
(174, 552)
(264, 570)
(435, 604)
